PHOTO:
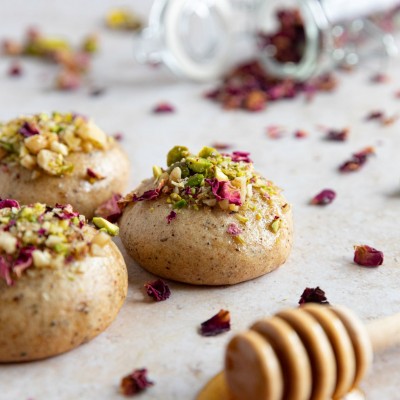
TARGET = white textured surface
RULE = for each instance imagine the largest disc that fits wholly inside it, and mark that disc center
(163, 337)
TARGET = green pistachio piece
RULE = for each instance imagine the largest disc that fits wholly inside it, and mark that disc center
(180, 204)
(106, 226)
(275, 225)
(157, 171)
(206, 152)
(176, 154)
(61, 248)
(219, 175)
(195, 180)
(198, 164)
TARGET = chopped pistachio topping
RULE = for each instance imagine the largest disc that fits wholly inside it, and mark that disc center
(106, 226)
(38, 236)
(208, 178)
(41, 142)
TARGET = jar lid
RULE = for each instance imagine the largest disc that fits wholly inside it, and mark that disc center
(194, 36)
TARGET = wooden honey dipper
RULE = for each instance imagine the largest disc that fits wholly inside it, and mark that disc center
(314, 352)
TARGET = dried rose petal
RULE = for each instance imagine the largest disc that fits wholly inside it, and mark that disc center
(5, 271)
(92, 174)
(313, 295)
(171, 216)
(233, 229)
(135, 382)
(151, 194)
(110, 209)
(337, 135)
(217, 324)
(367, 256)
(24, 260)
(11, 47)
(118, 136)
(68, 80)
(380, 78)
(163, 108)
(357, 160)
(225, 190)
(221, 146)
(275, 131)
(300, 134)
(158, 290)
(97, 91)
(323, 198)
(15, 69)
(241, 156)
(8, 203)
(374, 115)
(28, 129)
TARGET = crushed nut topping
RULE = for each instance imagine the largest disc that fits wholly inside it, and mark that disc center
(208, 179)
(38, 236)
(41, 142)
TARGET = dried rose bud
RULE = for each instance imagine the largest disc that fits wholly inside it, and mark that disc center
(300, 134)
(337, 135)
(313, 295)
(323, 198)
(158, 290)
(135, 382)
(217, 324)
(68, 80)
(367, 256)
(357, 160)
(163, 108)
(15, 69)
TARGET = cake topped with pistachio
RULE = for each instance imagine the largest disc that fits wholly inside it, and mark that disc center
(207, 219)
(38, 236)
(206, 179)
(42, 142)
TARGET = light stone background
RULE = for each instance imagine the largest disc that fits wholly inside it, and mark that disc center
(163, 337)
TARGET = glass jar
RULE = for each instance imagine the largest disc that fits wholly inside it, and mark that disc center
(200, 39)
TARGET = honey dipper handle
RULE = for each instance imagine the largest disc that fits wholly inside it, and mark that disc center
(385, 332)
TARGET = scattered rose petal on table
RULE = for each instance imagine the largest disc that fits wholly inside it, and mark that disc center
(158, 290)
(217, 324)
(135, 383)
(313, 295)
(357, 160)
(324, 197)
(367, 256)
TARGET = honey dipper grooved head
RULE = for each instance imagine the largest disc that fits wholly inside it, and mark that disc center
(314, 352)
